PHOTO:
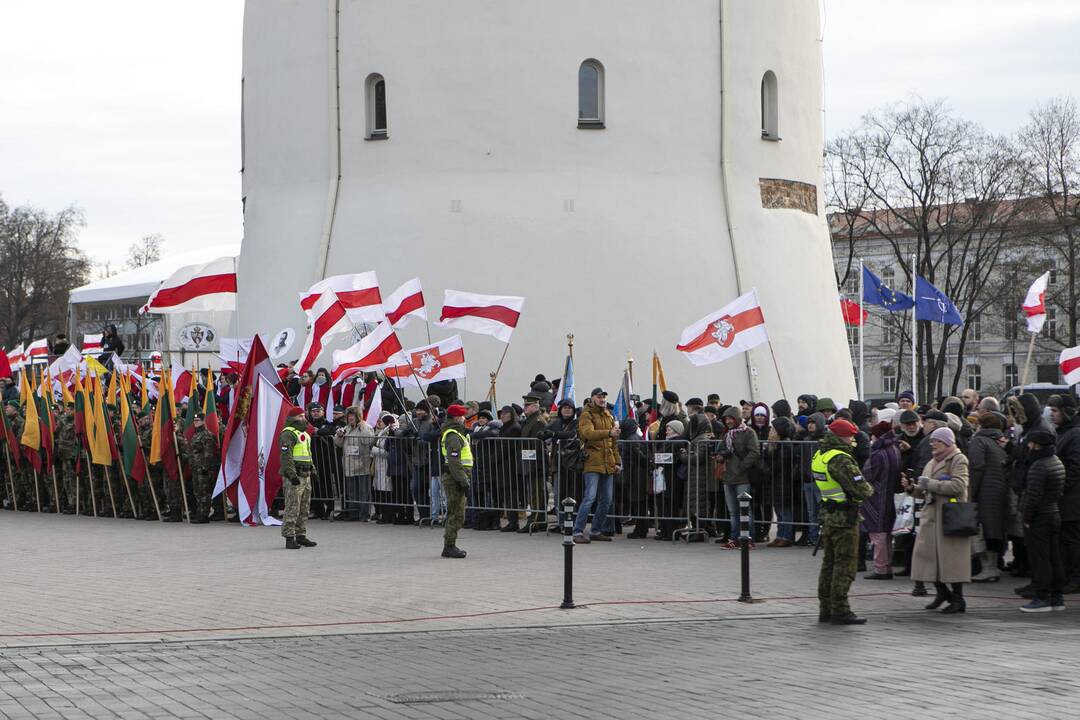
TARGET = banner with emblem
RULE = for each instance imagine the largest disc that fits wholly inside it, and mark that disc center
(444, 360)
(734, 328)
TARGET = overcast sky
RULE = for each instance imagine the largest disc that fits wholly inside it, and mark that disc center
(130, 109)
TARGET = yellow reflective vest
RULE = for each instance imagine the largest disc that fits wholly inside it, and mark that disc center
(301, 451)
(831, 491)
(466, 448)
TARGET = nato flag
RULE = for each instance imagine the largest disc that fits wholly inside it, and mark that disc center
(932, 304)
(875, 292)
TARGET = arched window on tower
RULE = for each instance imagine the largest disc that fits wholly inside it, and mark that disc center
(591, 95)
(376, 108)
(770, 107)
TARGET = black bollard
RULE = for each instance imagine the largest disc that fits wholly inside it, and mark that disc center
(744, 545)
(568, 553)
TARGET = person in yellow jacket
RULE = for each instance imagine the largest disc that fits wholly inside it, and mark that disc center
(843, 489)
(457, 476)
(296, 472)
(599, 433)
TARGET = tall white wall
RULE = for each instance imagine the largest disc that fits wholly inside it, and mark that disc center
(486, 184)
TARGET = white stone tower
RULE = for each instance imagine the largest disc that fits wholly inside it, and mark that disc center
(626, 169)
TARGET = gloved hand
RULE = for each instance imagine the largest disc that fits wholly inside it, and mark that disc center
(294, 480)
(923, 483)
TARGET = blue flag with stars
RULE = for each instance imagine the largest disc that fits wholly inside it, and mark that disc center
(876, 292)
(933, 305)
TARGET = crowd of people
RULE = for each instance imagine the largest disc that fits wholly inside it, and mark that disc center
(672, 469)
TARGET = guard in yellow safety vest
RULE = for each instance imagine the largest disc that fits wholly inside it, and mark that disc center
(296, 472)
(456, 477)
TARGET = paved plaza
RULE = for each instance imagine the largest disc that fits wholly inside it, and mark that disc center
(112, 618)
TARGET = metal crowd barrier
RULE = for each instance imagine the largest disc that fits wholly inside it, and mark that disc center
(673, 486)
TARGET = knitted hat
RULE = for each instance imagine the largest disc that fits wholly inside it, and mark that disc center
(944, 435)
(677, 426)
(456, 411)
(881, 428)
(843, 429)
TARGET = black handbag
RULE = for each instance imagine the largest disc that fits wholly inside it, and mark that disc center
(960, 519)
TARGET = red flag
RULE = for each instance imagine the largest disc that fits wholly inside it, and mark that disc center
(854, 313)
(5, 366)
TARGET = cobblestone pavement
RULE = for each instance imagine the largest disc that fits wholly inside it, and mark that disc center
(106, 618)
(996, 665)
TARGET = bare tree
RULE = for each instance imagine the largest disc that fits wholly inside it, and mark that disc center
(1050, 147)
(145, 251)
(41, 264)
(941, 194)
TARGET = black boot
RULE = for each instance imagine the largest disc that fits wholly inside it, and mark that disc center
(291, 544)
(302, 541)
(941, 597)
(453, 551)
(956, 604)
(848, 618)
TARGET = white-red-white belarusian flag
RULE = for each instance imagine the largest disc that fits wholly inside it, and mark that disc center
(405, 303)
(734, 328)
(1035, 304)
(328, 318)
(357, 293)
(373, 409)
(16, 358)
(66, 364)
(495, 315)
(91, 344)
(37, 351)
(444, 360)
(234, 352)
(155, 363)
(196, 288)
(1070, 365)
(379, 349)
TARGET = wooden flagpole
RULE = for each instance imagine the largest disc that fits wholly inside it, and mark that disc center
(90, 481)
(108, 486)
(37, 490)
(11, 475)
(495, 375)
(780, 379)
(56, 491)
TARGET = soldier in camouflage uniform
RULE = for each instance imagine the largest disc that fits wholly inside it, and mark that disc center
(456, 477)
(23, 480)
(843, 489)
(201, 454)
(147, 511)
(296, 472)
(67, 453)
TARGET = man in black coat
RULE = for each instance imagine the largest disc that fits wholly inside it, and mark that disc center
(1063, 415)
(1042, 521)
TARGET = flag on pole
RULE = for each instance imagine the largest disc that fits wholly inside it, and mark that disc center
(330, 318)
(31, 434)
(66, 363)
(405, 303)
(98, 431)
(358, 294)
(133, 459)
(854, 313)
(163, 439)
(1035, 304)
(444, 360)
(933, 305)
(234, 352)
(376, 351)
(734, 328)
(567, 391)
(495, 315)
(37, 351)
(373, 409)
(12, 441)
(91, 344)
(624, 405)
(1070, 365)
(5, 366)
(213, 420)
(209, 286)
(262, 455)
(182, 382)
(876, 292)
(15, 358)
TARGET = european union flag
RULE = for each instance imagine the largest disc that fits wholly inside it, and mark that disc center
(932, 304)
(875, 292)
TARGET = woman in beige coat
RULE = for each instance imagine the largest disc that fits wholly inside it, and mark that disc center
(940, 558)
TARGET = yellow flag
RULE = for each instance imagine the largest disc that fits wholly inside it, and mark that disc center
(110, 394)
(658, 373)
(97, 433)
(97, 367)
(155, 437)
(67, 396)
(31, 436)
(144, 396)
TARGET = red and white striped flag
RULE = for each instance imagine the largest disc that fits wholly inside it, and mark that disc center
(91, 344)
(210, 286)
(373, 411)
(15, 358)
(405, 303)
(734, 328)
(234, 352)
(358, 293)
(37, 351)
(495, 315)
(182, 383)
(329, 318)
(444, 360)
(377, 350)
(1070, 365)
(1035, 304)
